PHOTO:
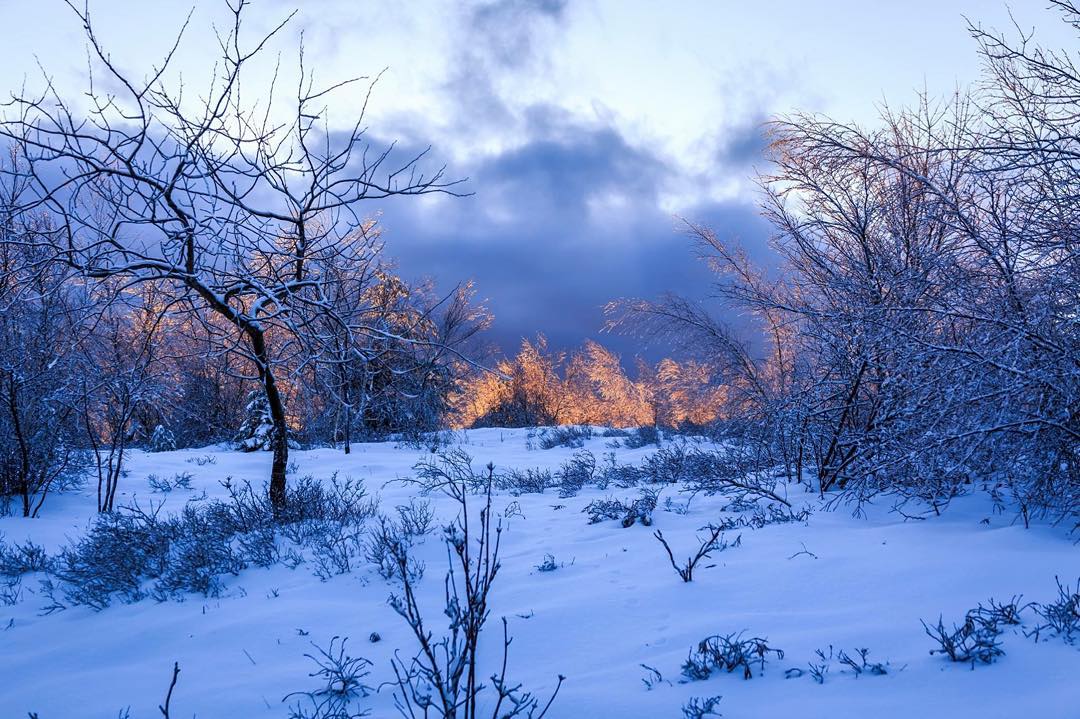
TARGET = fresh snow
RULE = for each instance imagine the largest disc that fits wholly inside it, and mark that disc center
(615, 604)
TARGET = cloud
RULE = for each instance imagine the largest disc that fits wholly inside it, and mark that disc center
(557, 227)
(500, 43)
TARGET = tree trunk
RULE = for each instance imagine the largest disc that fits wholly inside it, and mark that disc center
(280, 440)
(348, 413)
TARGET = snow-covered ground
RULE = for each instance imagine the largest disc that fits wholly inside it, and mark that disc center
(615, 604)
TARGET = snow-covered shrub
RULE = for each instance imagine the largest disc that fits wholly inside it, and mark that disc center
(343, 501)
(414, 518)
(549, 564)
(181, 480)
(259, 547)
(727, 653)
(621, 475)
(341, 683)
(336, 548)
(642, 437)
(200, 553)
(577, 472)
(572, 436)
(448, 471)
(431, 442)
(977, 640)
(1060, 618)
(385, 544)
(443, 676)
(158, 484)
(715, 542)
(639, 510)
(729, 473)
(130, 552)
(600, 510)
(862, 664)
(115, 557)
(10, 591)
(528, 481)
(858, 665)
(162, 440)
(764, 516)
(702, 707)
(24, 558)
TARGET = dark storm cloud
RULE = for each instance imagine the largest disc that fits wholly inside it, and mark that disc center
(568, 217)
(557, 227)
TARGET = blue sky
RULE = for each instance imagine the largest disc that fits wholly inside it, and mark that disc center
(585, 127)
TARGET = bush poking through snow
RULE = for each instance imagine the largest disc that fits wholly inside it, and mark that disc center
(858, 665)
(19, 559)
(549, 564)
(380, 548)
(193, 550)
(640, 510)
(181, 480)
(414, 518)
(443, 679)
(862, 665)
(571, 436)
(728, 653)
(577, 472)
(641, 437)
(975, 641)
(385, 545)
(997, 614)
(341, 684)
(702, 707)
(10, 591)
(713, 543)
(449, 472)
(529, 481)
(765, 516)
(1060, 618)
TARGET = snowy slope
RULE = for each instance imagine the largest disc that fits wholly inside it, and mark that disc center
(614, 605)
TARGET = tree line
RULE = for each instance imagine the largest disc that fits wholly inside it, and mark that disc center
(172, 270)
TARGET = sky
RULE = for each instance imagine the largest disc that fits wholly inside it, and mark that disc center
(585, 130)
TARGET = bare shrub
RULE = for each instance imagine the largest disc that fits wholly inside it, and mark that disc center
(571, 436)
(341, 683)
(702, 707)
(528, 481)
(443, 678)
(24, 558)
(577, 472)
(974, 641)
(713, 543)
(638, 511)
(1060, 618)
(728, 653)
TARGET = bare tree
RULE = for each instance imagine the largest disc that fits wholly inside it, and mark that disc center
(922, 326)
(234, 207)
(41, 311)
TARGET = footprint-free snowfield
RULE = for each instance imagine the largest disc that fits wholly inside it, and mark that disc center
(597, 603)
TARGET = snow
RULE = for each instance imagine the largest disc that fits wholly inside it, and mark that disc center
(615, 604)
